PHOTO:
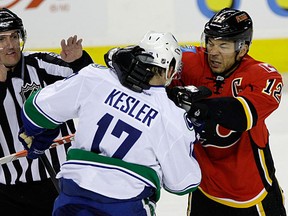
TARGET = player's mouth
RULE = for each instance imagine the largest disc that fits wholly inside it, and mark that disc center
(11, 54)
(214, 64)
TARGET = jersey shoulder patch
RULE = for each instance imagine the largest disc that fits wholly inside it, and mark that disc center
(188, 48)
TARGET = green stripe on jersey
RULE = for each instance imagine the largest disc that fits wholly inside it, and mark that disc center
(146, 172)
(34, 115)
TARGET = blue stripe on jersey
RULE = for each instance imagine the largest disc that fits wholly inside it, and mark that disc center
(188, 189)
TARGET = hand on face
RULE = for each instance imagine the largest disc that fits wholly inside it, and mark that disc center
(72, 49)
(3, 73)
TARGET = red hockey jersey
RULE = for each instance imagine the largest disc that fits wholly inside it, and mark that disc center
(237, 167)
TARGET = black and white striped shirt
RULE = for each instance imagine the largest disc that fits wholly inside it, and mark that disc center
(35, 70)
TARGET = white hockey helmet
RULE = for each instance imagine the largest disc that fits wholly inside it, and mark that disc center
(164, 48)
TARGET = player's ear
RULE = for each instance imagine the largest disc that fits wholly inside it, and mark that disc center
(243, 51)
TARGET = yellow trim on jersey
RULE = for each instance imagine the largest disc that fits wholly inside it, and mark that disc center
(238, 204)
(248, 113)
(264, 166)
(282, 194)
(190, 197)
(260, 209)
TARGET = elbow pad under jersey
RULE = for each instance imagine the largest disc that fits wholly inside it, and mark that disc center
(232, 113)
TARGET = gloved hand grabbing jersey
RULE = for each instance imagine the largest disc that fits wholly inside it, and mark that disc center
(130, 67)
(108, 56)
(36, 145)
(189, 98)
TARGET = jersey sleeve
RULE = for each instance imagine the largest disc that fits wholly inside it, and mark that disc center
(50, 67)
(56, 103)
(82, 62)
(264, 91)
(181, 172)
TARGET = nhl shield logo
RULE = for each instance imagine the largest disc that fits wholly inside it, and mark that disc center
(28, 89)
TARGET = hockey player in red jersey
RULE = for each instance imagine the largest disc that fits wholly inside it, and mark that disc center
(234, 154)
(238, 173)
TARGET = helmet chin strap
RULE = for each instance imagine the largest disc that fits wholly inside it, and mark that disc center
(168, 82)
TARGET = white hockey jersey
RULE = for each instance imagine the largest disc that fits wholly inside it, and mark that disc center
(126, 130)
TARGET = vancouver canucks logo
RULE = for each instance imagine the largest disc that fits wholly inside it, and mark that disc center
(188, 122)
(28, 89)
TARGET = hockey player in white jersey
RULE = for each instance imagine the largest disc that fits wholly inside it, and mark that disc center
(129, 143)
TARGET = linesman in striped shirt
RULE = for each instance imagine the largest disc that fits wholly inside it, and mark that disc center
(24, 183)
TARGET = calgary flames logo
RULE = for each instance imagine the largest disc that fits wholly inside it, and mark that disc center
(218, 136)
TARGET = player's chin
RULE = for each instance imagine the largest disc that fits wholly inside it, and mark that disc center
(12, 59)
(216, 69)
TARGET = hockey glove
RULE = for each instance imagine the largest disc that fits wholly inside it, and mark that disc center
(36, 145)
(185, 97)
(131, 69)
(108, 56)
(189, 98)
